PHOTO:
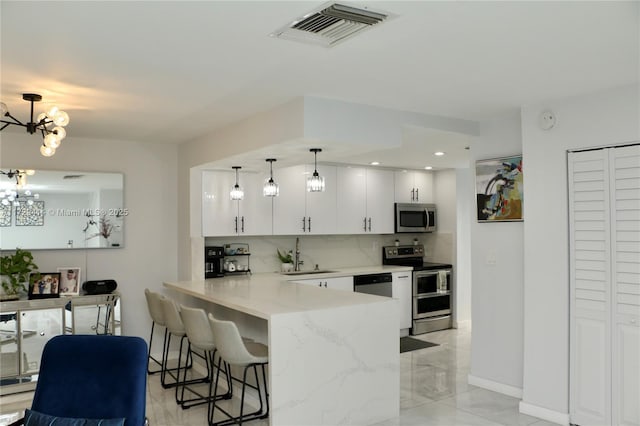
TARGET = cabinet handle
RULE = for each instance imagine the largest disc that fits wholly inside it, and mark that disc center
(309, 227)
(412, 191)
(417, 196)
(365, 224)
(404, 276)
(369, 224)
(304, 224)
(325, 284)
(243, 224)
(320, 284)
(236, 224)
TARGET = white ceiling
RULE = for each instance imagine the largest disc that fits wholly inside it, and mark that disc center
(171, 71)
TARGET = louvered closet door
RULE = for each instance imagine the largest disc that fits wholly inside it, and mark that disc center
(590, 352)
(625, 221)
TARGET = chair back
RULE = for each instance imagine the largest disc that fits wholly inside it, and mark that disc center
(93, 377)
(229, 342)
(172, 317)
(155, 306)
(197, 327)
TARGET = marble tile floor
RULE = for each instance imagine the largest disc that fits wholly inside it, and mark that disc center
(433, 391)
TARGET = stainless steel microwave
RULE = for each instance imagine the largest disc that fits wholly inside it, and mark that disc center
(415, 218)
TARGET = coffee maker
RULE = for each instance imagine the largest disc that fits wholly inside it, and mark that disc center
(213, 260)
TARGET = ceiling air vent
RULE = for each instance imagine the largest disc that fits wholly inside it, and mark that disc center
(330, 24)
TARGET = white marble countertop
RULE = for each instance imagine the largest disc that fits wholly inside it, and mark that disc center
(267, 294)
(346, 272)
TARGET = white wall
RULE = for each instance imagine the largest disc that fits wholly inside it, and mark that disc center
(497, 274)
(464, 211)
(606, 118)
(150, 193)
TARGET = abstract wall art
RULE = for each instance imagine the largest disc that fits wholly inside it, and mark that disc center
(499, 189)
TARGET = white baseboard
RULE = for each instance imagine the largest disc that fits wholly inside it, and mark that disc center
(495, 386)
(544, 413)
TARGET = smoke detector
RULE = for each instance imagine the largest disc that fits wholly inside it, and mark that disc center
(330, 24)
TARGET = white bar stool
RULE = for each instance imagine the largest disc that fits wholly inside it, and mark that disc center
(176, 328)
(200, 337)
(233, 351)
(157, 318)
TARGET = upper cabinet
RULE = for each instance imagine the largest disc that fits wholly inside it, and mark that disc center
(296, 211)
(364, 201)
(413, 187)
(222, 216)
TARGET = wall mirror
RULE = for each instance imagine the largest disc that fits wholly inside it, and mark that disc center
(62, 209)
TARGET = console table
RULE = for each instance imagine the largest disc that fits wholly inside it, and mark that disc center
(26, 325)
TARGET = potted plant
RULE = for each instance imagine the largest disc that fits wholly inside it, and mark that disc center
(15, 271)
(287, 261)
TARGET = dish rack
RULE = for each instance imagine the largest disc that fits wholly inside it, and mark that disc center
(238, 255)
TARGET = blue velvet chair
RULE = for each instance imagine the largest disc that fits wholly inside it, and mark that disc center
(93, 377)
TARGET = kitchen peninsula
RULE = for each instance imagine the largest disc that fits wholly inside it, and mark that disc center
(333, 355)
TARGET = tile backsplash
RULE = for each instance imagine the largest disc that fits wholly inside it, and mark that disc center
(335, 251)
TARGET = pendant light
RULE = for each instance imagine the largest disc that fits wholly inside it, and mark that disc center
(236, 191)
(270, 188)
(315, 182)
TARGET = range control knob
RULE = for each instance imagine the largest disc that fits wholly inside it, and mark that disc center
(419, 250)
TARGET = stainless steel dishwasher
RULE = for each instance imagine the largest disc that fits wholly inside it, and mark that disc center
(378, 284)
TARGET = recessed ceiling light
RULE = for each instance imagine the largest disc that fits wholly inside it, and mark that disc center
(428, 167)
(438, 153)
(375, 163)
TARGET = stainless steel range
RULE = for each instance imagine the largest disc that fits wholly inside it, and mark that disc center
(432, 287)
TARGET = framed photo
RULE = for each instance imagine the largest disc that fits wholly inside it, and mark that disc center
(5, 215)
(499, 189)
(46, 286)
(69, 280)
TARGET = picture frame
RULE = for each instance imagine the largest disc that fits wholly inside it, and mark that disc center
(44, 285)
(70, 279)
(499, 189)
(30, 214)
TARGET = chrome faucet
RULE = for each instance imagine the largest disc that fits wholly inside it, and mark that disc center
(298, 262)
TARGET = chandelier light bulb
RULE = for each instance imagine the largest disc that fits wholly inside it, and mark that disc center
(51, 141)
(47, 151)
(60, 132)
(4, 202)
(30, 172)
(16, 203)
(61, 118)
(42, 117)
(36, 196)
(52, 112)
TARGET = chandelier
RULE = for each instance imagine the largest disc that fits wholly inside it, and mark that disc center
(270, 188)
(315, 182)
(12, 196)
(236, 193)
(50, 124)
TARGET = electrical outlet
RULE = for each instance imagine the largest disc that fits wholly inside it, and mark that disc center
(491, 258)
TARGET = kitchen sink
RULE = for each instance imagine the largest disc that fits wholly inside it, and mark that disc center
(317, 271)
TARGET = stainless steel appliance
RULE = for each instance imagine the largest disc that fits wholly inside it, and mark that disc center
(213, 262)
(378, 284)
(414, 218)
(433, 291)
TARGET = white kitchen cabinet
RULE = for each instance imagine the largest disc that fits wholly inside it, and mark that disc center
(337, 283)
(413, 186)
(222, 216)
(401, 290)
(297, 211)
(604, 199)
(364, 201)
